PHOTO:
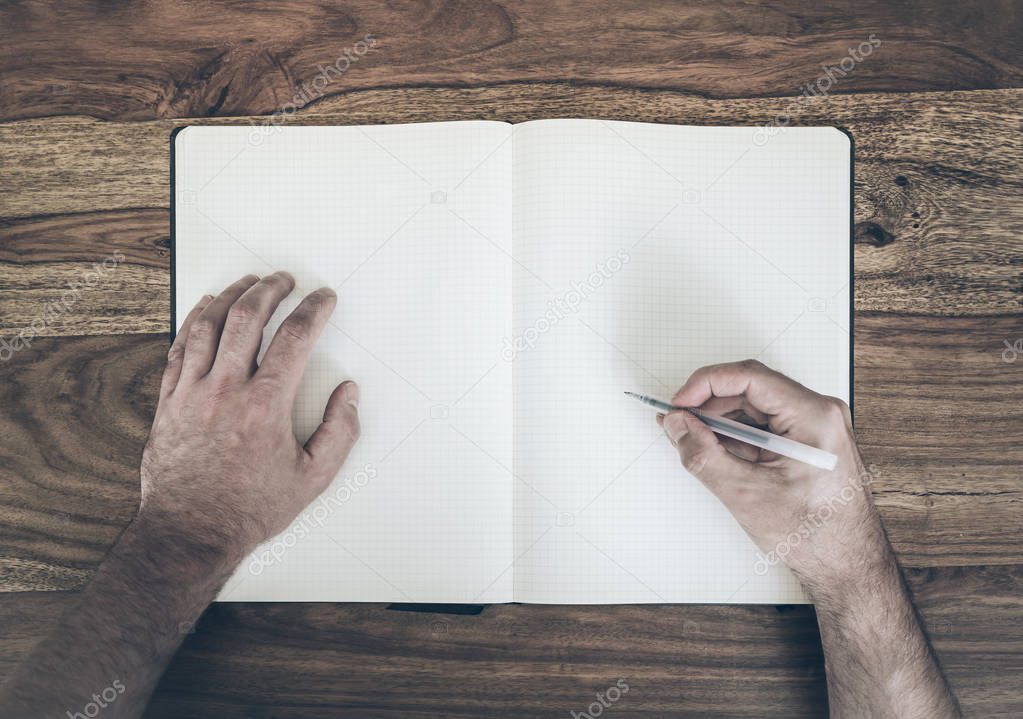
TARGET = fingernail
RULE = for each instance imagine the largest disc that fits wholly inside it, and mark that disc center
(207, 298)
(351, 394)
(327, 292)
(675, 426)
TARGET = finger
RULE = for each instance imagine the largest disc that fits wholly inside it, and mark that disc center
(176, 353)
(702, 455)
(740, 449)
(204, 334)
(289, 350)
(330, 444)
(246, 318)
(733, 407)
(766, 390)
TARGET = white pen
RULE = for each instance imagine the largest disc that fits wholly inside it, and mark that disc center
(751, 435)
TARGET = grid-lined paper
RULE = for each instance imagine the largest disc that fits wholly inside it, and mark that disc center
(411, 225)
(726, 250)
(500, 288)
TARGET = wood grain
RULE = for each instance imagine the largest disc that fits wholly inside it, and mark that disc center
(936, 412)
(78, 412)
(52, 285)
(938, 176)
(180, 59)
(936, 112)
(359, 660)
(75, 421)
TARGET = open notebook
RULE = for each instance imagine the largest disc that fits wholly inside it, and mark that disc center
(500, 287)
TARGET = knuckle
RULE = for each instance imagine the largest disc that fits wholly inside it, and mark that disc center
(695, 462)
(216, 395)
(277, 281)
(838, 410)
(242, 312)
(262, 392)
(752, 365)
(202, 328)
(296, 329)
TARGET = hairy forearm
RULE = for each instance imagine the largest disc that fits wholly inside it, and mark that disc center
(111, 651)
(877, 657)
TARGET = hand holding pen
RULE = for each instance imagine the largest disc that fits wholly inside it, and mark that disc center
(772, 493)
(753, 436)
(822, 523)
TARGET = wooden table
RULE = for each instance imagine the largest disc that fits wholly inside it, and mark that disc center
(90, 94)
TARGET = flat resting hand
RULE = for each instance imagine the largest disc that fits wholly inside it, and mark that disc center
(824, 525)
(221, 473)
(222, 457)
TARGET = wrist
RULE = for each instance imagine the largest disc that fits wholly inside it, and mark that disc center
(862, 573)
(160, 547)
(160, 579)
(843, 557)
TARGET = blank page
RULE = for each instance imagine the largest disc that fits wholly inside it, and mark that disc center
(647, 251)
(411, 226)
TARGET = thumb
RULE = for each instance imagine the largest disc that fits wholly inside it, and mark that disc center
(329, 445)
(703, 456)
